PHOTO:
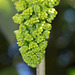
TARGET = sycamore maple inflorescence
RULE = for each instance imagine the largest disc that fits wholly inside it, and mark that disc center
(34, 17)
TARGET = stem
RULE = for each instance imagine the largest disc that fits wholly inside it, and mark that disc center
(41, 68)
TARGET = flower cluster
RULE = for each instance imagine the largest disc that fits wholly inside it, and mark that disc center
(34, 19)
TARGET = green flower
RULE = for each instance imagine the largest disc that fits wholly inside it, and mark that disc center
(43, 15)
(37, 9)
(43, 45)
(46, 34)
(46, 26)
(27, 11)
(40, 39)
(52, 14)
(34, 18)
(28, 37)
(20, 43)
(18, 35)
(18, 18)
(22, 28)
(32, 44)
(32, 21)
(20, 5)
(23, 49)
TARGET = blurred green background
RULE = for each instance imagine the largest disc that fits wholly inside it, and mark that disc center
(60, 53)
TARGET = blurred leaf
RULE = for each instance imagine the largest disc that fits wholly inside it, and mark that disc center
(5, 6)
(9, 71)
(71, 3)
(71, 71)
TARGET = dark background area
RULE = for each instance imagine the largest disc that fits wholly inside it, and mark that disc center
(60, 53)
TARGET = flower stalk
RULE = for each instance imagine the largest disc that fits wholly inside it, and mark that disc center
(40, 70)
